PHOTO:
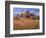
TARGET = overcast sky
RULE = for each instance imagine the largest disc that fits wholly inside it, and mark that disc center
(31, 10)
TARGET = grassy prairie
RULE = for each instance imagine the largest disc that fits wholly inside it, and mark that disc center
(22, 24)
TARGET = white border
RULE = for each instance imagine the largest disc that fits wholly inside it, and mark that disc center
(24, 31)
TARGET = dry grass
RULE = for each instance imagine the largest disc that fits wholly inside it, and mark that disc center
(21, 24)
